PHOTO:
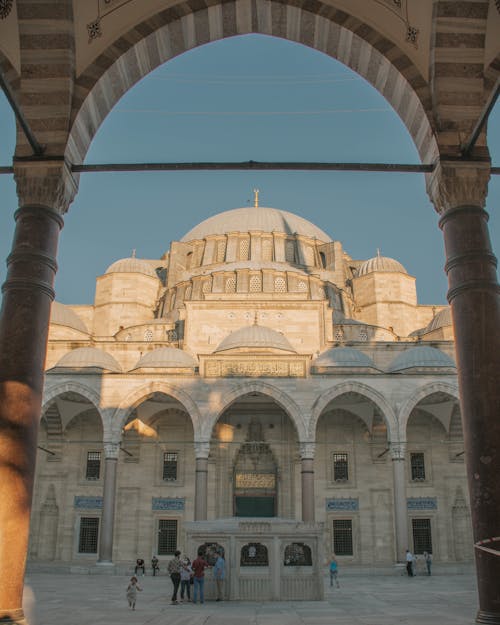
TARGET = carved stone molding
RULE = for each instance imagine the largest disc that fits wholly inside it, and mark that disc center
(202, 449)
(458, 183)
(307, 450)
(111, 450)
(47, 183)
(398, 451)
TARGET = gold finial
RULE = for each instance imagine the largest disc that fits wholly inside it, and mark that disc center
(378, 252)
(133, 252)
(256, 198)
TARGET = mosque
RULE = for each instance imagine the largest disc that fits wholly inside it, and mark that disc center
(254, 374)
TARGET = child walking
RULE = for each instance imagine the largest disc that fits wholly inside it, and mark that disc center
(132, 589)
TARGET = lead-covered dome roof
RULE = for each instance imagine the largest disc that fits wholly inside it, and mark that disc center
(380, 263)
(64, 316)
(166, 357)
(343, 357)
(255, 336)
(89, 358)
(132, 265)
(441, 320)
(256, 218)
(421, 357)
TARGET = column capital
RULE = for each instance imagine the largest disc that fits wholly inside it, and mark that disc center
(111, 450)
(397, 451)
(458, 183)
(201, 449)
(45, 182)
(307, 450)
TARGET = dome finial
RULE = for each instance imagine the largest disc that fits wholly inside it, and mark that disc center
(256, 198)
(378, 252)
(133, 252)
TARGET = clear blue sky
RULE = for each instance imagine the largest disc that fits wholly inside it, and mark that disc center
(247, 98)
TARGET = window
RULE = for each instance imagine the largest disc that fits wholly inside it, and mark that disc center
(167, 537)
(244, 249)
(290, 251)
(298, 554)
(170, 461)
(267, 250)
(89, 534)
(231, 285)
(280, 285)
(323, 259)
(221, 251)
(93, 470)
(340, 468)
(417, 463)
(302, 286)
(342, 537)
(339, 335)
(422, 538)
(254, 554)
(148, 336)
(255, 284)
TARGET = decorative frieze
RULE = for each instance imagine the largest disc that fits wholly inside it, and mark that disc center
(255, 368)
(87, 503)
(421, 503)
(342, 504)
(168, 503)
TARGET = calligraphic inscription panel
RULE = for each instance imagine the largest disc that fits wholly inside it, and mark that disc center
(255, 480)
(255, 368)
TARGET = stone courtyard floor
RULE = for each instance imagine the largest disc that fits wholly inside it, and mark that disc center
(362, 600)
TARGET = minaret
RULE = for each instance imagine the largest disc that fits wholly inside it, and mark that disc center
(256, 198)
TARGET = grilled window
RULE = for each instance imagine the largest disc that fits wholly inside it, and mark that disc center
(422, 538)
(417, 463)
(93, 469)
(254, 554)
(167, 537)
(340, 468)
(298, 554)
(170, 461)
(89, 534)
(342, 537)
(244, 249)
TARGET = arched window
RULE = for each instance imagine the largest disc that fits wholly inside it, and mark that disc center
(323, 259)
(231, 285)
(280, 285)
(254, 554)
(267, 250)
(221, 251)
(255, 284)
(297, 554)
(244, 249)
(290, 251)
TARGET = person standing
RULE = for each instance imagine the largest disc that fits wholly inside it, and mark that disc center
(132, 589)
(139, 564)
(334, 571)
(186, 575)
(409, 563)
(219, 574)
(428, 561)
(154, 565)
(199, 565)
(174, 569)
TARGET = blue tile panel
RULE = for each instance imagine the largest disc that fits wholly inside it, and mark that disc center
(343, 504)
(168, 503)
(87, 503)
(422, 503)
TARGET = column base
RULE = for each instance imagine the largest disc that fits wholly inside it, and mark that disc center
(488, 618)
(13, 617)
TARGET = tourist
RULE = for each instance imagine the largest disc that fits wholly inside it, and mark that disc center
(428, 561)
(132, 589)
(174, 570)
(219, 574)
(199, 565)
(139, 564)
(334, 571)
(409, 563)
(154, 565)
(186, 575)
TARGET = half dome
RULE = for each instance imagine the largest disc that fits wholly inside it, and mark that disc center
(420, 357)
(343, 357)
(166, 357)
(256, 218)
(63, 316)
(380, 263)
(89, 357)
(132, 265)
(257, 337)
(442, 319)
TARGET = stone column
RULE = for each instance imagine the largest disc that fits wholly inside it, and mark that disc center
(458, 191)
(398, 451)
(202, 449)
(111, 451)
(45, 190)
(307, 474)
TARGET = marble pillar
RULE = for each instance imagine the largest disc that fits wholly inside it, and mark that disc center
(307, 477)
(111, 451)
(397, 451)
(458, 190)
(202, 450)
(45, 190)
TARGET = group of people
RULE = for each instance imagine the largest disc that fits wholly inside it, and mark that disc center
(411, 563)
(183, 574)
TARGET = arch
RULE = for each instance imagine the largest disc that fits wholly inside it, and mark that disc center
(264, 388)
(421, 393)
(361, 389)
(136, 397)
(174, 31)
(51, 393)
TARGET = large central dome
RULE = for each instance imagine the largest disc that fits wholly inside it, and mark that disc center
(256, 218)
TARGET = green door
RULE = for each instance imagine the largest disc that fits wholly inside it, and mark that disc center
(254, 506)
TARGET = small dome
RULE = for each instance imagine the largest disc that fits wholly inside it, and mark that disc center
(132, 265)
(442, 319)
(343, 357)
(166, 357)
(380, 263)
(63, 316)
(418, 357)
(89, 357)
(255, 336)
(256, 218)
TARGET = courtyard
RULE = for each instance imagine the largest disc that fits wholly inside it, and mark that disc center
(361, 600)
